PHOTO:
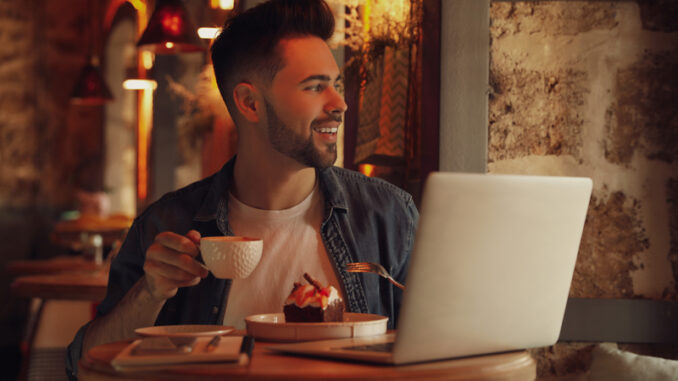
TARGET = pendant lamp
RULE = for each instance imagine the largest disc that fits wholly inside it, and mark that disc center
(90, 88)
(170, 30)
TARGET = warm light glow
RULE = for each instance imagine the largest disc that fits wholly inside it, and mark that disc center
(144, 111)
(147, 58)
(393, 10)
(169, 45)
(381, 16)
(222, 4)
(208, 33)
(367, 12)
(143, 142)
(112, 10)
(145, 97)
(172, 24)
(139, 84)
(387, 20)
(366, 169)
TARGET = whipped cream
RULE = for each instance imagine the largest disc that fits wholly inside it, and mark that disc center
(309, 295)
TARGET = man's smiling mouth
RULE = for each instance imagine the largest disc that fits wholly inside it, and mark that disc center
(326, 130)
(328, 125)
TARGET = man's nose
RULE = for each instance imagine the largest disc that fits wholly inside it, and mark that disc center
(336, 104)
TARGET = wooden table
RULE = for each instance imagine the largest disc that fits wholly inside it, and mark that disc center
(267, 365)
(69, 233)
(82, 285)
(70, 278)
(54, 265)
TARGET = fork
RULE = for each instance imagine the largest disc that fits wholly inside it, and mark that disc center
(369, 267)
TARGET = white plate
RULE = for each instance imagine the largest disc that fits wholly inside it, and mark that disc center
(272, 327)
(184, 330)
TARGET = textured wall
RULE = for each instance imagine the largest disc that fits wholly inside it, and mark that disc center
(581, 88)
(18, 104)
(45, 143)
(589, 89)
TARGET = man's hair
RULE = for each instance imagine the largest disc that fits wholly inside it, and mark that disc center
(248, 43)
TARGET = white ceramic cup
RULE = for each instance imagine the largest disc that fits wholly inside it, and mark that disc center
(231, 257)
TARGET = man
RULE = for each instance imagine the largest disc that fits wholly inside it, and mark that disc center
(281, 85)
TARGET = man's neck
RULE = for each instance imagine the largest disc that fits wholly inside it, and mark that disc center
(277, 184)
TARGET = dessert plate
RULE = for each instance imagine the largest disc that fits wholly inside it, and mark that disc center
(184, 334)
(272, 327)
(184, 330)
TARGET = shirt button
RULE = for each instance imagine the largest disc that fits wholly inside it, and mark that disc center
(215, 309)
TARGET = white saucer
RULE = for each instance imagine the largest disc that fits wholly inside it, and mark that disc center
(184, 330)
(272, 327)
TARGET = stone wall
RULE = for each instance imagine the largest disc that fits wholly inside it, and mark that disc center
(47, 146)
(589, 88)
(18, 105)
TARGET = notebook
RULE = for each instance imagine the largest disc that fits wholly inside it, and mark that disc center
(490, 270)
(159, 352)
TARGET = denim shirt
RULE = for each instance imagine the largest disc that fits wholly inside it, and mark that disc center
(365, 220)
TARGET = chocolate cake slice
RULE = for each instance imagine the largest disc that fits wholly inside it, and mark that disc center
(313, 303)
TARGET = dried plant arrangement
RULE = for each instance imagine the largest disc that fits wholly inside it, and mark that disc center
(372, 26)
(199, 109)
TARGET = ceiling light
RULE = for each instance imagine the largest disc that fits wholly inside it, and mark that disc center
(139, 84)
(90, 88)
(170, 30)
(208, 33)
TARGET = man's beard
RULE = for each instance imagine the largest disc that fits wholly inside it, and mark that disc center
(295, 146)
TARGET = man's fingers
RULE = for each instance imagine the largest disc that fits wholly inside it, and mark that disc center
(170, 264)
(190, 283)
(159, 253)
(194, 236)
(178, 243)
(169, 272)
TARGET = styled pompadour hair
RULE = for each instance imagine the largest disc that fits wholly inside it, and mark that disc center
(248, 43)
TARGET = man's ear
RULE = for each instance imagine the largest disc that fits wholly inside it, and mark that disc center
(246, 98)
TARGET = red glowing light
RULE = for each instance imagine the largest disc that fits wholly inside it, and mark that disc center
(172, 23)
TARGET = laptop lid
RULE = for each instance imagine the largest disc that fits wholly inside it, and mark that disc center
(492, 264)
(490, 270)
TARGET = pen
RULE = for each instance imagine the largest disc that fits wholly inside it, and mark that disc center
(213, 344)
(246, 350)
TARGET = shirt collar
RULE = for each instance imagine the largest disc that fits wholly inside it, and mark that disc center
(333, 190)
(215, 204)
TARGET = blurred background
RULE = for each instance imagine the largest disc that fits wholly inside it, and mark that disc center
(94, 127)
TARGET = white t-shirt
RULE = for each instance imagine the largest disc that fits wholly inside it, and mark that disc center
(292, 246)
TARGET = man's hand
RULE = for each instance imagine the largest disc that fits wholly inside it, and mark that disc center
(170, 264)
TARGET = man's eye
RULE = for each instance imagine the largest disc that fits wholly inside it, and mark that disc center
(317, 88)
(339, 86)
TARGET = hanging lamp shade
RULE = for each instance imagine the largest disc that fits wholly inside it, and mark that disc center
(91, 89)
(170, 30)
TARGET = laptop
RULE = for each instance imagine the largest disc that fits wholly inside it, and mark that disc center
(490, 271)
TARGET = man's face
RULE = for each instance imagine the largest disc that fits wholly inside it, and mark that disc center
(304, 104)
